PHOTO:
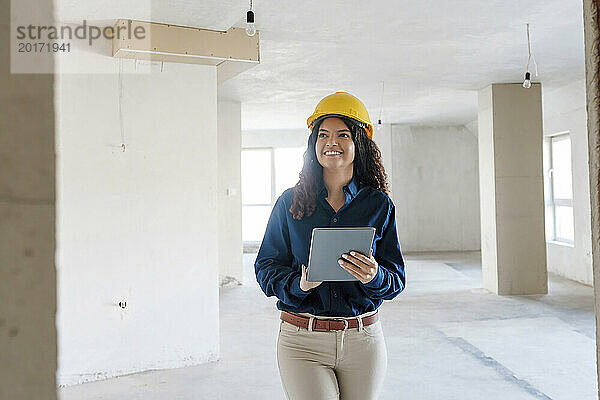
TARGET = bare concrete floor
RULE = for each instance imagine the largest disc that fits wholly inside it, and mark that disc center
(446, 338)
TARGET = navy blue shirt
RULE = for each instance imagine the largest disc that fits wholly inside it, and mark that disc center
(286, 244)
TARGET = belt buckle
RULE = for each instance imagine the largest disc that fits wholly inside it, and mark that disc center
(345, 323)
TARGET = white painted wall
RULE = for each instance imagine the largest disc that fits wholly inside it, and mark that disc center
(487, 198)
(229, 185)
(436, 187)
(564, 110)
(138, 225)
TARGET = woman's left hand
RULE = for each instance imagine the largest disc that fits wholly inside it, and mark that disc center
(362, 267)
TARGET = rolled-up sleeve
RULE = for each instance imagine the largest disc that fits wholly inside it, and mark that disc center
(390, 279)
(273, 267)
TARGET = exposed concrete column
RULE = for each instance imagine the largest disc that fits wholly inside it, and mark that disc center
(513, 248)
(28, 350)
(229, 202)
(592, 67)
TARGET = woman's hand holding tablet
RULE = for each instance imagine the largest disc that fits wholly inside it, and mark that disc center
(362, 267)
(307, 285)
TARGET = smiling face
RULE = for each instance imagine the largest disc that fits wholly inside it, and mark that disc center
(334, 146)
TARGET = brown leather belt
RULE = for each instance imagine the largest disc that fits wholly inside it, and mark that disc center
(327, 324)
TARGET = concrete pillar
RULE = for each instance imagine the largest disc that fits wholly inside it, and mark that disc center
(513, 248)
(28, 347)
(229, 184)
(592, 68)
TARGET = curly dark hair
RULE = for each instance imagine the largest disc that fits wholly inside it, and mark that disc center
(368, 167)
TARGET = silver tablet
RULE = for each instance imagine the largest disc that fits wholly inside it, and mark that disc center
(328, 244)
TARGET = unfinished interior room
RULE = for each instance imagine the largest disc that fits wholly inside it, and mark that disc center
(270, 199)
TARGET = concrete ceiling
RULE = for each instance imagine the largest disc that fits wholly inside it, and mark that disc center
(433, 55)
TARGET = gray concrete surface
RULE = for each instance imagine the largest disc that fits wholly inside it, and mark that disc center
(446, 337)
(591, 24)
(511, 189)
(28, 350)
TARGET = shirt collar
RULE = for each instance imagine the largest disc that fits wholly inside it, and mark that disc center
(351, 188)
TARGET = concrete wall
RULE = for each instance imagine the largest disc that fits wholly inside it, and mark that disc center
(138, 225)
(564, 111)
(229, 197)
(436, 188)
(27, 223)
(424, 165)
(592, 67)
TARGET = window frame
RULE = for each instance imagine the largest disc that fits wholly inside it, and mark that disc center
(271, 150)
(553, 201)
(251, 245)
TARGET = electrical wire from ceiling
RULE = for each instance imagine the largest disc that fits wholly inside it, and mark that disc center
(527, 81)
(119, 105)
(381, 104)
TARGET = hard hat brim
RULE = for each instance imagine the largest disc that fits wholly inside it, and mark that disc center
(320, 116)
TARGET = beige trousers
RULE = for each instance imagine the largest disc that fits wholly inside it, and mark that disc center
(344, 365)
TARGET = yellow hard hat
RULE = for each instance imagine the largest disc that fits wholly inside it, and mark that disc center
(342, 103)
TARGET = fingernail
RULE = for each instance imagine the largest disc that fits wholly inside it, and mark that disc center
(353, 253)
(340, 262)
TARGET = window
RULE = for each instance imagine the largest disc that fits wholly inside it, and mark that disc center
(266, 173)
(257, 197)
(288, 164)
(559, 189)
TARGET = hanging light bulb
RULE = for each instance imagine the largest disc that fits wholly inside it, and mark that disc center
(250, 29)
(527, 81)
(379, 126)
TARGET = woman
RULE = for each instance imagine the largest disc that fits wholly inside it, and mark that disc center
(331, 343)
